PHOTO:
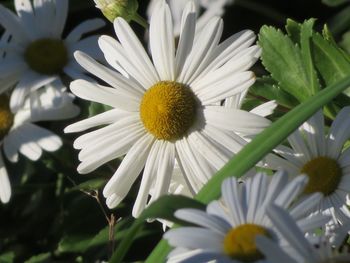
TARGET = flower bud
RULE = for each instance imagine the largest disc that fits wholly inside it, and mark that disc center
(112, 9)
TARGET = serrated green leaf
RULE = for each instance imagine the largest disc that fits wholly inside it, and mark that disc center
(261, 145)
(163, 208)
(282, 58)
(306, 33)
(330, 61)
(293, 30)
(268, 88)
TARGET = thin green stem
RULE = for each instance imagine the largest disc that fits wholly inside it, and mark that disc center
(140, 20)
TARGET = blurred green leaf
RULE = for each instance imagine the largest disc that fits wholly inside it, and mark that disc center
(345, 42)
(90, 185)
(41, 258)
(334, 2)
(7, 257)
(96, 108)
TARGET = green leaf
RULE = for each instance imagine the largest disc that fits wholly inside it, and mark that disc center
(90, 185)
(39, 258)
(164, 208)
(7, 257)
(283, 59)
(345, 42)
(268, 88)
(340, 22)
(330, 61)
(334, 2)
(293, 30)
(261, 145)
(97, 108)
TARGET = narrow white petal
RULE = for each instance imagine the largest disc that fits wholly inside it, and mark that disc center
(12, 24)
(5, 186)
(60, 17)
(265, 109)
(235, 120)
(103, 118)
(134, 49)
(83, 28)
(113, 78)
(105, 95)
(148, 177)
(130, 168)
(162, 42)
(272, 251)
(29, 82)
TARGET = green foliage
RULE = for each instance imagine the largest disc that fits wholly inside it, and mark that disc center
(334, 2)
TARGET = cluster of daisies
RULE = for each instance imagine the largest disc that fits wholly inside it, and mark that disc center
(176, 118)
(35, 64)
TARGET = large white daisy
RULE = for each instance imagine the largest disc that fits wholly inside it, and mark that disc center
(323, 159)
(18, 133)
(226, 231)
(167, 110)
(35, 53)
(301, 249)
(211, 8)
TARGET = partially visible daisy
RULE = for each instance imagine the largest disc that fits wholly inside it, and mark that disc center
(226, 232)
(310, 249)
(166, 110)
(322, 158)
(211, 8)
(18, 133)
(35, 52)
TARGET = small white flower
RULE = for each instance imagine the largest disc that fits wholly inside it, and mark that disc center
(18, 133)
(166, 110)
(301, 249)
(211, 8)
(322, 158)
(226, 231)
(35, 53)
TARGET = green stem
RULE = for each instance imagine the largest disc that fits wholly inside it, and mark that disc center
(257, 149)
(140, 20)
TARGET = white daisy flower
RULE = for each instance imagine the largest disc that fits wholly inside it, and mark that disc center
(36, 54)
(167, 110)
(211, 8)
(302, 249)
(18, 133)
(322, 158)
(226, 231)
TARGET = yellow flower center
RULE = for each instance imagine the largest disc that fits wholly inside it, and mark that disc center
(324, 175)
(168, 110)
(6, 116)
(46, 56)
(239, 242)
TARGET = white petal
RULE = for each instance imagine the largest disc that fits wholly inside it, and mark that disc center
(129, 169)
(29, 82)
(105, 95)
(83, 28)
(265, 109)
(111, 77)
(148, 177)
(12, 24)
(235, 120)
(60, 17)
(162, 42)
(135, 52)
(103, 118)
(5, 186)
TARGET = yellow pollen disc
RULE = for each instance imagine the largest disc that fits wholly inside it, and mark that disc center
(46, 56)
(168, 110)
(239, 242)
(324, 175)
(6, 116)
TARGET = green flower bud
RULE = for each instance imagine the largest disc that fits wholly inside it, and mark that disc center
(112, 9)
